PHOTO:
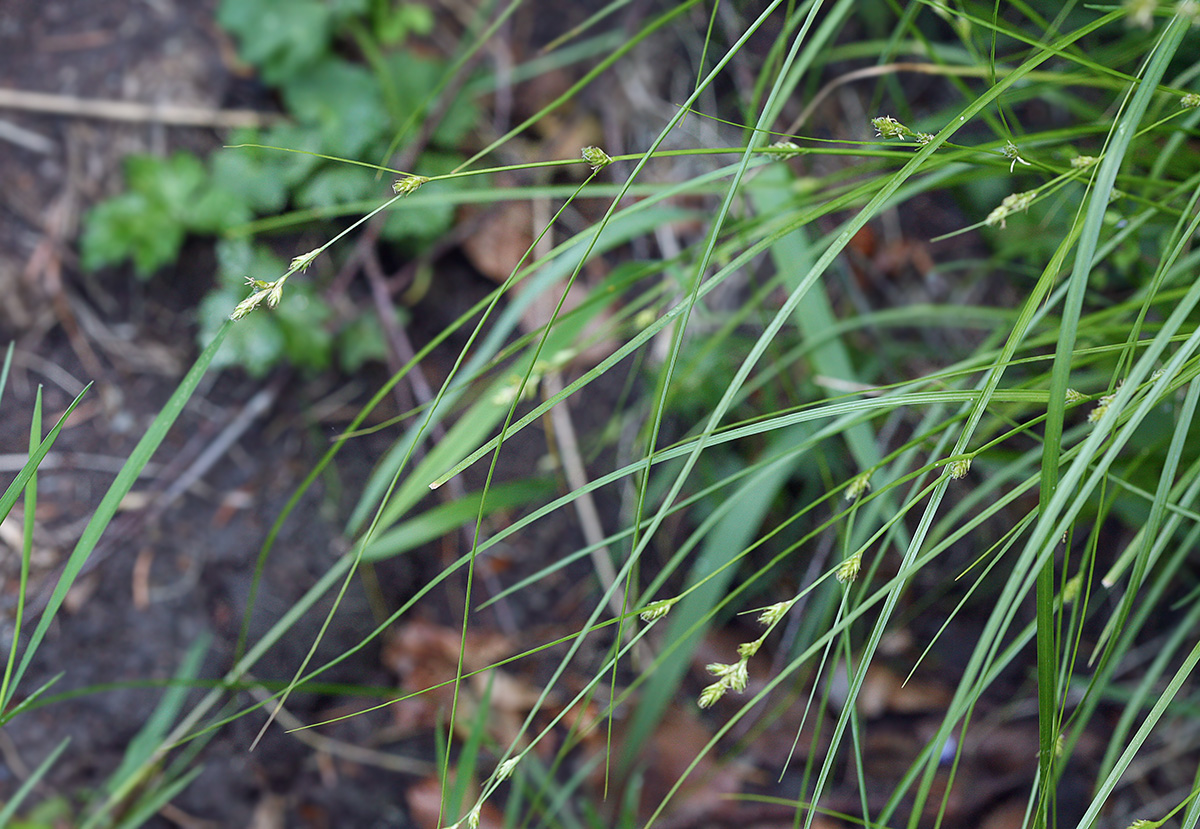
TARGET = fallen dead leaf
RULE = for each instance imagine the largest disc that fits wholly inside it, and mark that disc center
(503, 235)
(677, 741)
(269, 813)
(424, 799)
(885, 691)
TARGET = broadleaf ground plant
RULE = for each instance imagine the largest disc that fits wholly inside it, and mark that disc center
(334, 106)
(898, 393)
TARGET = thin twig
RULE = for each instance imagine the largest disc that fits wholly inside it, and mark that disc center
(214, 450)
(133, 111)
(347, 751)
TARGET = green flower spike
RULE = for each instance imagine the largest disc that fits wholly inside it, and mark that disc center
(268, 291)
(775, 612)
(860, 486)
(711, 693)
(847, 571)
(959, 468)
(408, 184)
(1011, 204)
(656, 610)
(785, 149)
(596, 158)
(301, 262)
(889, 127)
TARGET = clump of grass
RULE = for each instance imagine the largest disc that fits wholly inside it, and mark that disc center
(837, 470)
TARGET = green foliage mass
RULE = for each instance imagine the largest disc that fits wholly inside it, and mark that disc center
(336, 108)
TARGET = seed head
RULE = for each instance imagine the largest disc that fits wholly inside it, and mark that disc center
(1140, 13)
(860, 486)
(786, 149)
(505, 769)
(710, 694)
(1011, 204)
(746, 650)
(596, 158)
(251, 302)
(774, 613)
(847, 571)
(406, 185)
(959, 468)
(656, 610)
(301, 262)
(889, 127)
(1071, 589)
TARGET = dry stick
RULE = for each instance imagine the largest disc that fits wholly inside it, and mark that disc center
(26, 139)
(400, 353)
(400, 350)
(572, 461)
(215, 449)
(368, 239)
(109, 110)
(339, 748)
(585, 505)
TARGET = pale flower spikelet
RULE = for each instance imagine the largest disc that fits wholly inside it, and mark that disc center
(1010, 152)
(859, 487)
(729, 677)
(408, 184)
(734, 676)
(747, 650)
(1190, 100)
(958, 469)
(505, 769)
(888, 127)
(1140, 13)
(1071, 589)
(775, 612)
(248, 304)
(656, 610)
(710, 694)
(847, 571)
(1102, 405)
(301, 262)
(786, 149)
(1015, 203)
(596, 158)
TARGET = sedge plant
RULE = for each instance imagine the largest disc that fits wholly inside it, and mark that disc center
(796, 462)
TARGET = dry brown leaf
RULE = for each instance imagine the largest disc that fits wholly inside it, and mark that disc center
(1008, 815)
(677, 742)
(269, 813)
(502, 236)
(425, 655)
(885, 691)
(424, 799)
(421, 647)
